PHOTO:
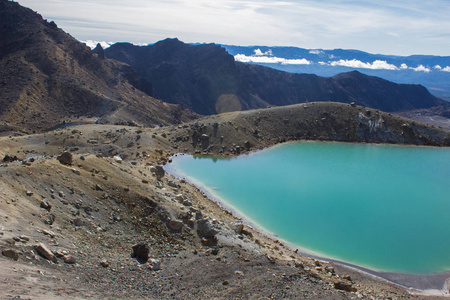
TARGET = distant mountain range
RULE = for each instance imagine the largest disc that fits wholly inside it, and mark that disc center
(208, 80)
(433, 72)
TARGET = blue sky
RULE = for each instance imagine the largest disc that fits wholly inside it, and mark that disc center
(378, 26)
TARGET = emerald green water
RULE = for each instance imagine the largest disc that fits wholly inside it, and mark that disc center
(383, 207)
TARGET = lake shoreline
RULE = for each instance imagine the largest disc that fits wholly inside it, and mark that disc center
(418, 284)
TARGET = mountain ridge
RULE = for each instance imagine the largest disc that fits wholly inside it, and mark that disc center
(48, 77)
(200, 77)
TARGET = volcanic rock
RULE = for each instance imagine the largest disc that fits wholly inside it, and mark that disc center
(66, 158)
(140, 252)
(43, 251)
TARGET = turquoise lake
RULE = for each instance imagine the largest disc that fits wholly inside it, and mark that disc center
(383, 207)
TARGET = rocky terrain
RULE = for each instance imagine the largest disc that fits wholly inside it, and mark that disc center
(87, 209)
(207, 80)
(106, 221)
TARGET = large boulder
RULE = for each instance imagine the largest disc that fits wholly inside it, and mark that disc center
(158, 171)
(175, 225)
(344, 286)
(205, 229)
(66, 158)
(43, 251)
(11, 253)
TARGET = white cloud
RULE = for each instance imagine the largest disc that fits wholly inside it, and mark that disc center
(354, 63)
(270, 60)
(92, 44)
(258, 52)
(404, 66)
(446, 69)
(422, 68)
(302, 61)
(317, 52)
(438, 67)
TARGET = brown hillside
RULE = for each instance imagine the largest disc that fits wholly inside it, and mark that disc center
(47, 77)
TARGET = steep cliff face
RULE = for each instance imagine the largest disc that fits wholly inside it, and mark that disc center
(47, 76)
(206, 79)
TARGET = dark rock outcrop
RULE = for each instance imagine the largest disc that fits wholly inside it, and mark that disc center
(99, 51)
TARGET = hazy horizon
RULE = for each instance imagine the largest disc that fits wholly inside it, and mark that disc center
(378, 27)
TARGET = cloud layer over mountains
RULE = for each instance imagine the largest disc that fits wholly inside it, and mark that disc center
(268, 58)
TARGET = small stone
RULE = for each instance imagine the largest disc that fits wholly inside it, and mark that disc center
(347, 277)
(172, 184)
(77, 222)
(179, 197)
(225, 282)
(49, 219)
(30, 193)
(45, 205)
(24, 238)
(11, 253)
(59, 254)
(104, 263)
(239, 273)
(49, 233)
(117, 159)
(237, 227)
(98, 187)
(69, 259)
(154, 264)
